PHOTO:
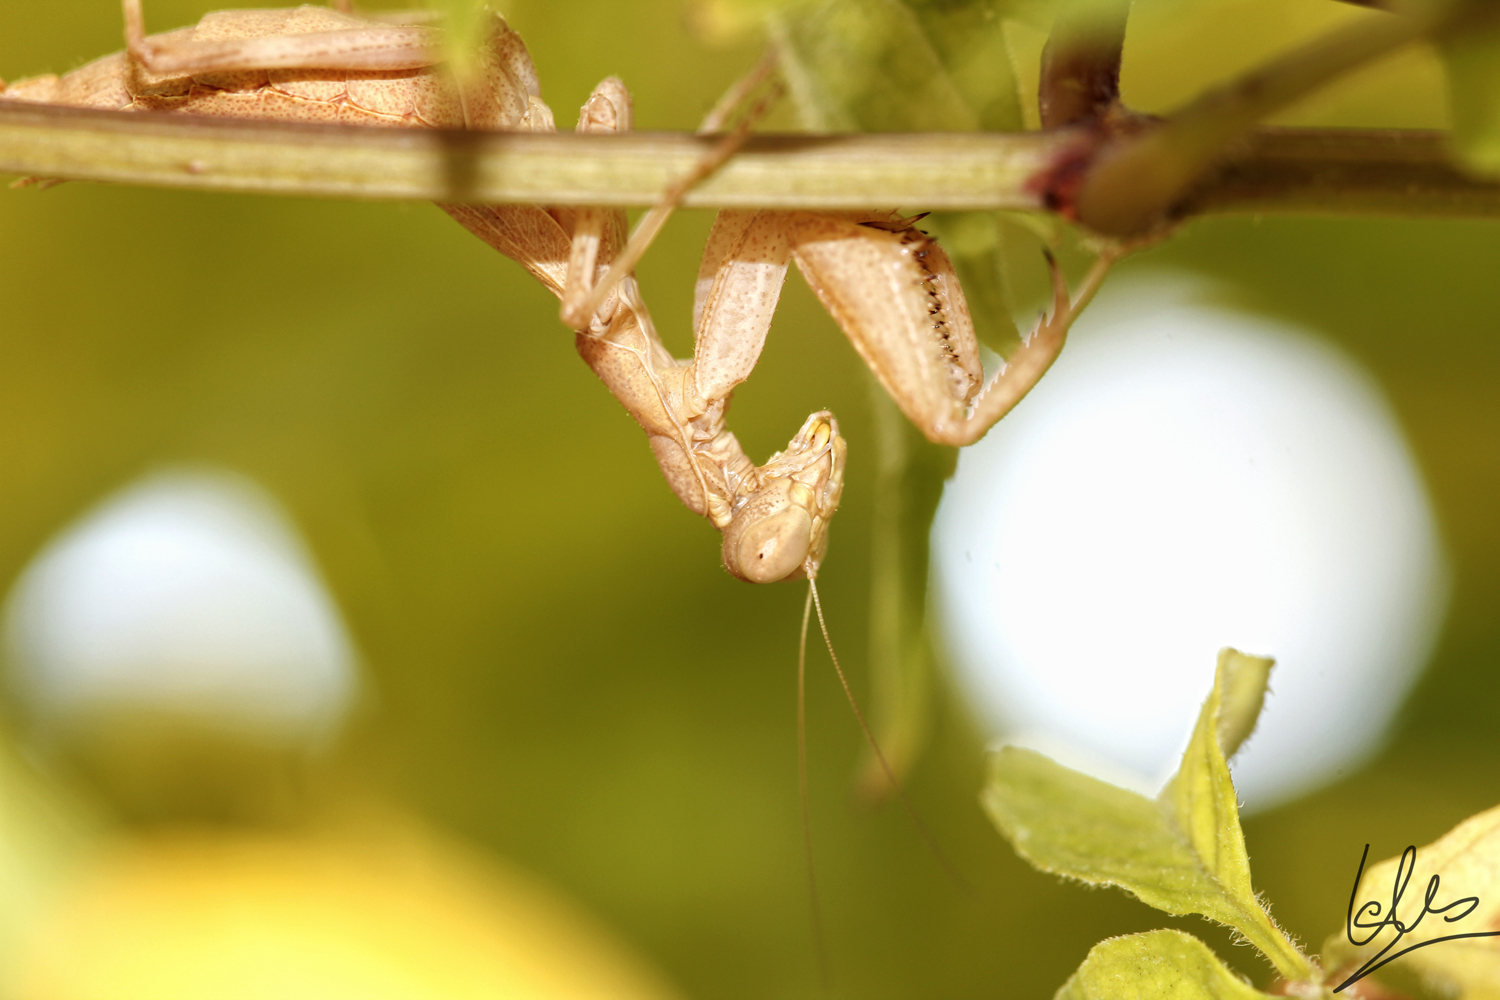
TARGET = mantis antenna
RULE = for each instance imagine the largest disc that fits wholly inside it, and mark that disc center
(814, 602)
(820, 942)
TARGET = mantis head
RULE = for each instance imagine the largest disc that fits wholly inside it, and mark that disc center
(780, 531)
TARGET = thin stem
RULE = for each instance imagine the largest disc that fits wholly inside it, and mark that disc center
(1094, 280)
(738, 93)
(1303, 171)
(937, 171)
(1342, 172)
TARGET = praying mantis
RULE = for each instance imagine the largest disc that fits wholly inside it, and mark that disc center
(889, 286)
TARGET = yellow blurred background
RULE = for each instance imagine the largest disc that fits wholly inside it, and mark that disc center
(560, 675)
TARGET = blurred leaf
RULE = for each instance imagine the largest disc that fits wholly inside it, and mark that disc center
(1163, 965)
(1183, 853)
(722, 21)
(43, 834)
(377, 907)
(1471, 57)
(461, 23)
(1466, 860)
(973, 242)
(909, 483)
(898, 65)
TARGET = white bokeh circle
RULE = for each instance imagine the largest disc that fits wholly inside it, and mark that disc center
(1188, 477)
(186, 592)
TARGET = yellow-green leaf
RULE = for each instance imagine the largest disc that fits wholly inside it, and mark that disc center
(1200, 799)
(892, 65)
(1183, 853)
(1243, 682)
(1466, 860)
(463, 31)
(1068, 823)
(1471, 56)
(1160, 965)
(721, 21)
(909, 476)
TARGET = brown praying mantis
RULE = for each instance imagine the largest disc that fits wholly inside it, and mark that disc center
(889, 286)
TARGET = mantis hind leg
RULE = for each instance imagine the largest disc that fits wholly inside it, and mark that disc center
(301, 38)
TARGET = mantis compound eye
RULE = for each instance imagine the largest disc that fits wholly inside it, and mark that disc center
(770, 536)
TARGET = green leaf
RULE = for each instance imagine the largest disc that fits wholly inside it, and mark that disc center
(1161, 965)
(1467, 861)
(1200, 798)
(898, 65)
(1182, 853)
(463, 31)
(1070, 824)
(909, 476)
(722, 21)
(1241, 685)
(1471, 57)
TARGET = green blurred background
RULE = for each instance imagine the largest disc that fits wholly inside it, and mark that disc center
(561, 672)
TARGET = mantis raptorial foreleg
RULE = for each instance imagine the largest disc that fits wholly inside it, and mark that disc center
(888, 285)
(893, 291)
(774, 517)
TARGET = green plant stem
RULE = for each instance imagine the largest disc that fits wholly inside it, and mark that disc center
(1318, 172)
(1304, 171)
(1134, 184)
(788, 171)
